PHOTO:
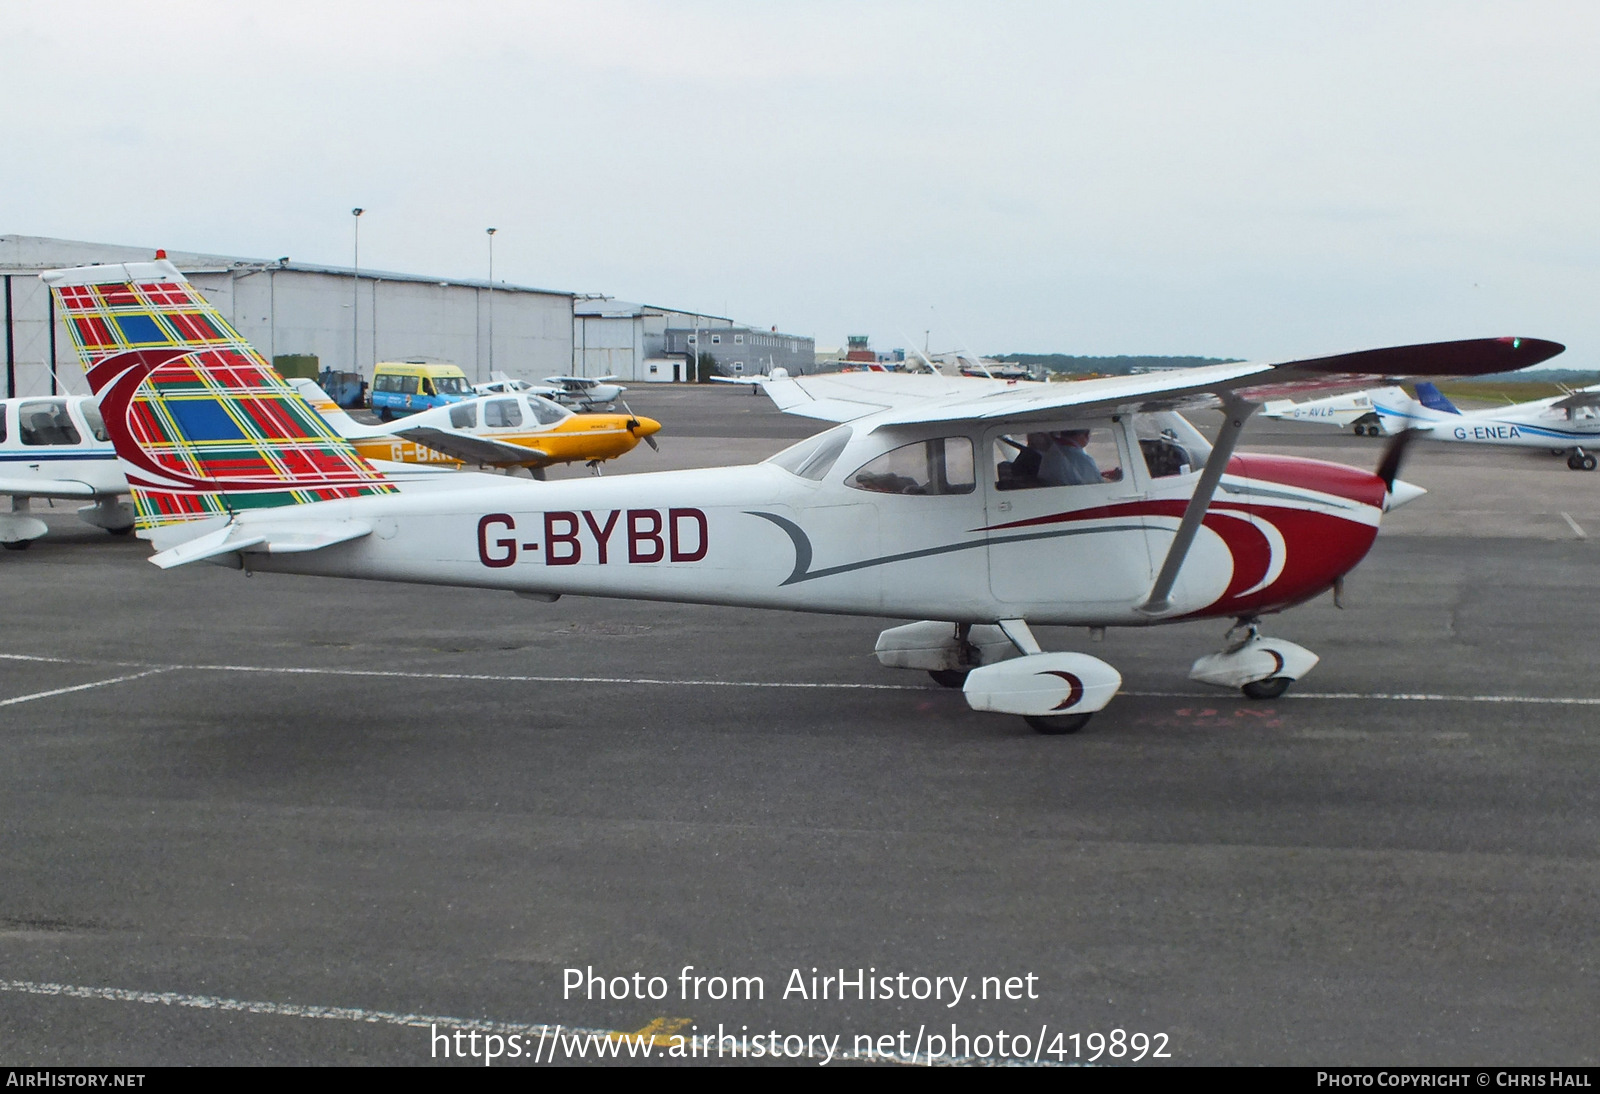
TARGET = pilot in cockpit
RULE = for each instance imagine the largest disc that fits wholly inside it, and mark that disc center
(1063, 461)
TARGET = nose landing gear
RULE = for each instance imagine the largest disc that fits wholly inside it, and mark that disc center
(1260, 667)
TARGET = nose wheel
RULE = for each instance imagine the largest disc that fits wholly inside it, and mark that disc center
(1270, 688)
(1260, 667)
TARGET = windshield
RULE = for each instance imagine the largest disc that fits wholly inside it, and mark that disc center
(813, 457)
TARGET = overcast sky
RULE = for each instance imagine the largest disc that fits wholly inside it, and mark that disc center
(1264, 180)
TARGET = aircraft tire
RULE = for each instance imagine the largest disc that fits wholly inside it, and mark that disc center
(1574, 463)
(17, 544)
(1058, 724)
(1270, 688)
(1588, 462)
(948, 678)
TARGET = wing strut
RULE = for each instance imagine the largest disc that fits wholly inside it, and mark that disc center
(1236, 412)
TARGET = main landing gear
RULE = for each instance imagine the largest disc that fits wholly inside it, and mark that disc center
(1055, 693)
(1580, 460)
(1261, 668)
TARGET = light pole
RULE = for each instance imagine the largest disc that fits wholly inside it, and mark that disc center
(355, 298)
(490, 232)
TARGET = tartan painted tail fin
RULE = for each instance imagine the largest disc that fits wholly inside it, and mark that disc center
(203, 426)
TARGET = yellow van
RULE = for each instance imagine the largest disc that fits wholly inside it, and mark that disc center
(405, 387)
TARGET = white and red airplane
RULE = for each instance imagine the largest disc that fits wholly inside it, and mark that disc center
(955, 502)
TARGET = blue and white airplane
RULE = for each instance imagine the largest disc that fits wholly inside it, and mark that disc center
(1565, 424)
(56, 446)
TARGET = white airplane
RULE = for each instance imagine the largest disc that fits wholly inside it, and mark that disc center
(56, 446)
(1352, 409)
(934, 499)
(501, 384)
(585, 391)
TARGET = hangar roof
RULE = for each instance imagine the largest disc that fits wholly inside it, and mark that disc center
(30, 254)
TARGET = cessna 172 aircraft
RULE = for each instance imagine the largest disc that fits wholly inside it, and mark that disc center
(1564, 424)
(585, 391)
(939, 499)
(516, 429)
(1561, 423)
(56, 447)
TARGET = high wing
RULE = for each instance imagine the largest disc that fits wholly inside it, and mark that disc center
(1584, 396)
(846, 396)
(912, 400)
(470, 448)
(578, 383)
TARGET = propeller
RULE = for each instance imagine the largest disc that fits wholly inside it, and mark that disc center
(1394, 454)
(633, 426)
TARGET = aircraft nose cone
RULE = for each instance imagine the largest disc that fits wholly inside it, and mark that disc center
(648, 426)
(1401, 493)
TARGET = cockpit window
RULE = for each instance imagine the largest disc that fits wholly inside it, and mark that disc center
(940, 465)
(47, 422)
(545, 412)
(813, 457)
(97, 425)
(464, 415)
(1069, 456)
(502, 413)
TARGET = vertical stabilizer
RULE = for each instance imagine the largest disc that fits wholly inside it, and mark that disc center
(1432, 398)
(203, 426)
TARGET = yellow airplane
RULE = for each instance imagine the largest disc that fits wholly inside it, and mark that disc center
(515, 429)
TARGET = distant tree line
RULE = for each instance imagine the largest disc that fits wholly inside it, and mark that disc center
(1114, 366)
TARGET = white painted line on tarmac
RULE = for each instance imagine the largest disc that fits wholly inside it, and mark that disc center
(537, 1035)
(503, 678)
(1576, 530)
(81, 687)
(489, 678)
(1377, 697)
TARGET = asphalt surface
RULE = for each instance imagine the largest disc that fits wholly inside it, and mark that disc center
(274, 794)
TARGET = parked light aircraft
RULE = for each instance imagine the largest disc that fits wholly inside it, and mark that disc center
(1353, 409)
(1565, 424)
(585, 391)
(1562, 423)
(518, 429)
(932, 500)
(56, 447)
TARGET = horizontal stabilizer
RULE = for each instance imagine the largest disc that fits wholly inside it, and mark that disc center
(276, 538)
(45, 488)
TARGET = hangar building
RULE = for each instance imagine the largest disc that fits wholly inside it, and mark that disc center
(285, 307)
(629, 341)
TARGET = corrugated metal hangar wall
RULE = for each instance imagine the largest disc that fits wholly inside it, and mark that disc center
(293, 308)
